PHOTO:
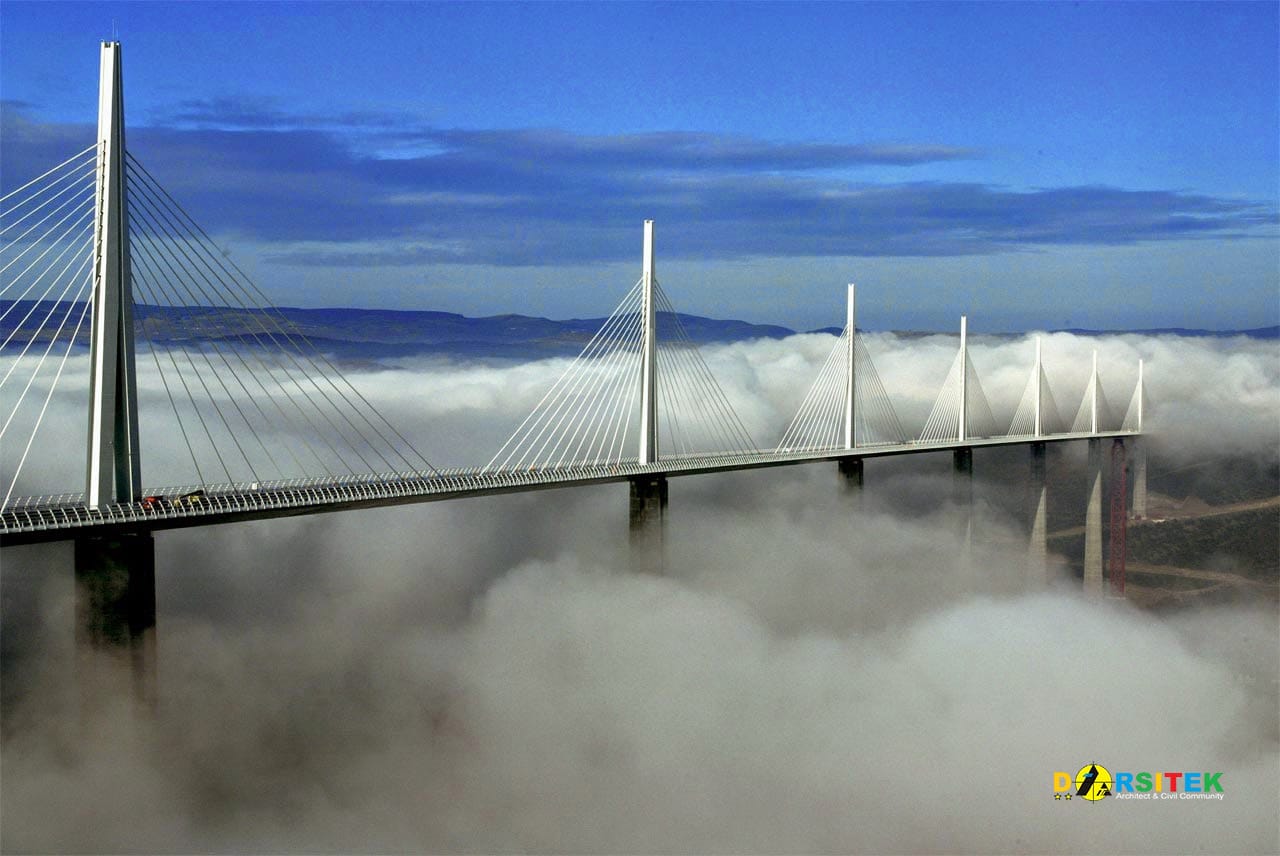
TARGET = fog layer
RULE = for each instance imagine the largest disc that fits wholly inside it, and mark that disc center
(814, 673)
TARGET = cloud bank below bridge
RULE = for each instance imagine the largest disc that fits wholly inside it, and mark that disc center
(487, 676)
(1205, 397)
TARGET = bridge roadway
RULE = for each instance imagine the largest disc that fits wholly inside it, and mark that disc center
(54, 518)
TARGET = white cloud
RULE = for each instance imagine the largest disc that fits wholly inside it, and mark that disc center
(486, 675)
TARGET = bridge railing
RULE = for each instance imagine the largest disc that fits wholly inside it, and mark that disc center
(69, 511)
(377, 484)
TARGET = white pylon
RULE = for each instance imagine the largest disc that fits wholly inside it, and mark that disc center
(962, 433)
(1093, 396)
(648, 365)
(850, 393)
(1039, 375)
(114, 463)
(1140, 396)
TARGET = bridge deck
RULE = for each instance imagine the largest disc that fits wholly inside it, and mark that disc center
(39, 519)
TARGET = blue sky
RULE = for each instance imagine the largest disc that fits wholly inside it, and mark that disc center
(1034, 165)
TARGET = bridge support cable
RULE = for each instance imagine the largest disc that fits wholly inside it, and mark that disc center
(192, 314)
(1037, 412)
(823, 420)
(609, 410)
(74, 194)
(609, 360)
(162, 259)
(85, 156)
(701, 417)
(71, 192)
(1095, 412)
(1133, 413)
(252, 376)
(152, 280)
(204, 296)
(159, 296)
(624, 396)
(74, 236)
(143, 283)
(1133, 422)
(593, 401)
(876, 421)
(251, 307)
(961, 411)
(63, 193)
(45, 277)
(585, 417)
(943, 424)
(188, 309)
(65, 276)
(816, 424)
(820, 422)
(53, 385)
(78, 226)
(75, 244)
(297, 371)
(59, 306)
(173, 405)
(981, 419)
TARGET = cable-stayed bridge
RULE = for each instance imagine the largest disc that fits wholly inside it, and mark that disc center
(102, 268)
(96, 256)
(639, 386)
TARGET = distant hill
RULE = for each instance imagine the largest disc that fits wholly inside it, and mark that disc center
(379, 334)
(373, 334)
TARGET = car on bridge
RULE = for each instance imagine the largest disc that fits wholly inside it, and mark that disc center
(195, 497)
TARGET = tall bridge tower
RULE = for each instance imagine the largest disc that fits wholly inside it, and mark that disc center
(851, 468)
(114, 462)
(648, 492)
(115, 574)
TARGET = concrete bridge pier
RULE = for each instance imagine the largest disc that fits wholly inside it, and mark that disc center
(1093, 523)
(648, 513)
(1037, 549)
(116, 615)
(1139, 449)
(850, 477)
(962, 495)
